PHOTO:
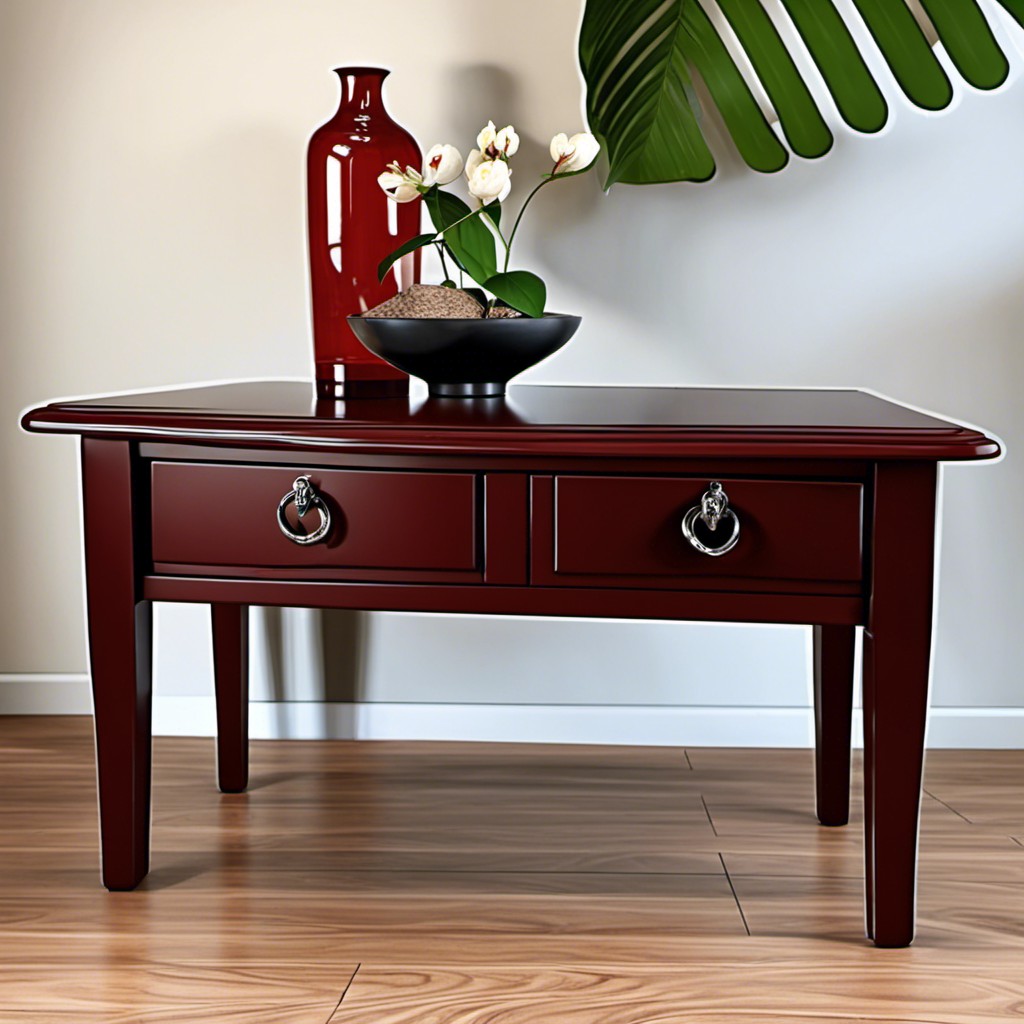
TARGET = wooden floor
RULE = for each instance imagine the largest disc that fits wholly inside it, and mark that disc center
(378, 883)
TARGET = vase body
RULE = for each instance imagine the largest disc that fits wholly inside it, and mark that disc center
(352, 227)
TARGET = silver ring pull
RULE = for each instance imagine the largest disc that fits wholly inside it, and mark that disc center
(713, 511)
(303, 493)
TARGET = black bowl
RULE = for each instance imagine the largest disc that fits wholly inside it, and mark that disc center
(465, 358)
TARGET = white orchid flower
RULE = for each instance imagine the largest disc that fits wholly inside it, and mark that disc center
(473, 161)
(442, 165)
(574, 153)
(559, 147)
(506, 141)
(486, 137)
(489, 181)
(495, 144)
(402, 186)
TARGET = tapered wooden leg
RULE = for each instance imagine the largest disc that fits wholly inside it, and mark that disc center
(833, 708)
(231, 682)
(868, 700)
(120, 628)
(897, 653)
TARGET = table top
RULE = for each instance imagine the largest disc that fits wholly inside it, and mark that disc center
(532, 419)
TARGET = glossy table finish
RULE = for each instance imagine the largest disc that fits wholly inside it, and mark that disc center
(554, 501)
(697, 422)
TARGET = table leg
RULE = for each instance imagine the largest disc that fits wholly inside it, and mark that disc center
(833, 706)
(868, 700)
(897, 646)
(231, 683)
(120, 628)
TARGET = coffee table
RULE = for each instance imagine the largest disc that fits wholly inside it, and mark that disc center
(735, 505)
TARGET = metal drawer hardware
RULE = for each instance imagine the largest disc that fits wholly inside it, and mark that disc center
(713, 510)
(303, 493)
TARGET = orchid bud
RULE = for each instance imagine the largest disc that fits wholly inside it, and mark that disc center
(507, 141)
(560, 147)
(573, 154)
(489, 181)
(442, 165)
(486, 137)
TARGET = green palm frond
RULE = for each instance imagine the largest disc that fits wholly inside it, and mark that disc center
(639, 57)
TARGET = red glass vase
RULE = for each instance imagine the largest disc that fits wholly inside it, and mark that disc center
(352, 227)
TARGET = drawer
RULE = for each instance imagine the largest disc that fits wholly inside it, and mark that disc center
(216, 515)
(626, 531)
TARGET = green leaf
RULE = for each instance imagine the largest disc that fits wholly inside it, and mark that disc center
(801, 121)
(493, 210)
(906, 50)
(968, 40)
(520, 289)
(754, 138)
(1015, 8)
(403, 250)
(471, 242)
(637, 58)
(826, 36)
(640, 99)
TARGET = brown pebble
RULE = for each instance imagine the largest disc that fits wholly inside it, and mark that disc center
(503, 313)
(429, 302)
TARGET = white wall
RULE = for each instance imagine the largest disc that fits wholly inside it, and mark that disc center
(152, 233)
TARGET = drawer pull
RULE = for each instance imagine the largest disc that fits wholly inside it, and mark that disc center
(304, 494)
(713, 511)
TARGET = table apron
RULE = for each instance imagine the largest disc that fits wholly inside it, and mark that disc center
(701, 606)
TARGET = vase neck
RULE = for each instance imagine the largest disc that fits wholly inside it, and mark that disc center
(361, 92)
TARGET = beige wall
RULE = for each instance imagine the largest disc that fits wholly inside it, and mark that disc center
(152, 233)
(153, 206)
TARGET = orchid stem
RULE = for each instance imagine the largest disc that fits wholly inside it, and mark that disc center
(444, 265)
(522, 210)
(456, 223)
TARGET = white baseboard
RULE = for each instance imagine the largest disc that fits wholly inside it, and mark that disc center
(45, 694)
(986, 728)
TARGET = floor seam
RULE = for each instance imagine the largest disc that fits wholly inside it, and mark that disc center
(711, 822)
(947, 806)
(739, 906)
(332, 872)
(344, 992)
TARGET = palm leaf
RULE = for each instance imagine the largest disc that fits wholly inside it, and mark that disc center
(639, 94)
(905, 49)
(801, 121)
(860, 101)
(754, 138)
(639, 60)
(1015, 8)
(968, 39)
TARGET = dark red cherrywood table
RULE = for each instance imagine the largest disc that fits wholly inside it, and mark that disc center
(554, 501)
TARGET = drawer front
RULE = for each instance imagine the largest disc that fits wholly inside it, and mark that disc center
(627, 530)
(216, 515)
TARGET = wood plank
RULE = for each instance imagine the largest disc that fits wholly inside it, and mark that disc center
(830, 909)
(177, 990)
(26, 869)
(950, 857)
(566, 883)
(698, 904)
(284, 1013)
(773, 993)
